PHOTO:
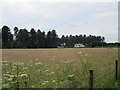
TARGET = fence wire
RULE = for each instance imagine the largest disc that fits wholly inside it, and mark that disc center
(105, 80)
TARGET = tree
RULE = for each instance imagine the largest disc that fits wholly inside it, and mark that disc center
(7, 37)
(48, 42)
(43, 39)
(54, 37)
(62, 39)
(32, 40)
(22, 38)
(71, 41)
(10, 40)
(40, 37)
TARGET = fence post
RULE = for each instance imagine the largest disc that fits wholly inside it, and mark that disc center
(91, 79)
(116, 69)
(119, 72)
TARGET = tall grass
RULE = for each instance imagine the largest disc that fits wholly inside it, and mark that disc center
(67, 74)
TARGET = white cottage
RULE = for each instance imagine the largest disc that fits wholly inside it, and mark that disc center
(79, 45)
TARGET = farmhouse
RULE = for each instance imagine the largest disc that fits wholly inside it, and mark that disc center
(79, 45)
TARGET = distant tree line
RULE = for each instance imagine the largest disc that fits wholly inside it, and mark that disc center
(22, 38)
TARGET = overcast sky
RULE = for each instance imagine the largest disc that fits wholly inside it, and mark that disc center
(96, 18)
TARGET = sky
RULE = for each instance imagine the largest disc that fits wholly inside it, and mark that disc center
(95, 18)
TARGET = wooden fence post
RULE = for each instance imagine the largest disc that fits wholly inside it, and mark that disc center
(119, 72)
(116, 69)
(91, 79)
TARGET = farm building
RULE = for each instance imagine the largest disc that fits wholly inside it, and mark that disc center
(79, 45)
(62, 45)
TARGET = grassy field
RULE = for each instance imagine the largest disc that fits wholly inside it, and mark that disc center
(58, 68)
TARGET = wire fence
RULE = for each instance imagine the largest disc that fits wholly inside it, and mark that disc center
(92, 80)
(108, 79)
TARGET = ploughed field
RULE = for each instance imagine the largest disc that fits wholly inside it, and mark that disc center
(58, 68)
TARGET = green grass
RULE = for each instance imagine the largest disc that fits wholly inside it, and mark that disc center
(67, 75)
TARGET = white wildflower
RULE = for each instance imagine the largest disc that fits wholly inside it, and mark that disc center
(46, 70)
(25, 68)
(24, 75)
(36, 59)
(52, 72)
(31, 61)
(4, 75)
(6, 64)
(12, 76)
(46, 81)
(66, 62)
(31, 65)
(38, 63)
(79, 52)
(86, 54)
(13, 69)
(84, 60)
(33, 86)
(43, 83)
(53, 80)
(4, 61)
(47, 74)
(9, 79)
(71, 75)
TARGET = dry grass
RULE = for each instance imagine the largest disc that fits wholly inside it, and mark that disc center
(25, 55)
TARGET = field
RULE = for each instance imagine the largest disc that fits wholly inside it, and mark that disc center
(59, 68)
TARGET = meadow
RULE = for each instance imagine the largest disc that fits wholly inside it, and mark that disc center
(58, 68)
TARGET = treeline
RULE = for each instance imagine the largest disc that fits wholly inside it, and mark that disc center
(22, 38)
(116, 44)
